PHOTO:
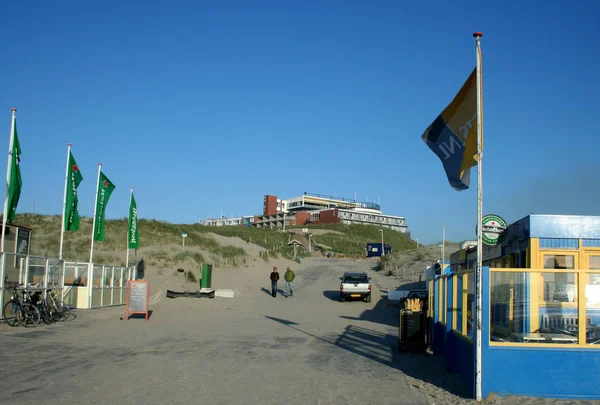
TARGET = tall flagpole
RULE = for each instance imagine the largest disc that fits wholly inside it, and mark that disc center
(479, 269)
(94, 218)
(129, 225)
(62, 226)
(8, 174)
(443, 246)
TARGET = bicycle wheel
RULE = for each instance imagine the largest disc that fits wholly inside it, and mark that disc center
(64, 310)
(29, 315)
(53, 310)
(46, 316)
(10, 314)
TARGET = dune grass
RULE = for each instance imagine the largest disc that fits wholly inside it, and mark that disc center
(350, 241)
(76, 246)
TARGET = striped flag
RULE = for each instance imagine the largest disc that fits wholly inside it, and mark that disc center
(453, 135)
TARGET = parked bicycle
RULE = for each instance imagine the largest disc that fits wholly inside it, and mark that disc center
(60, 310)
(29, 315)
(47, 313)
(16, 312)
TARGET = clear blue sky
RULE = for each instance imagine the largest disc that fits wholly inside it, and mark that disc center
(208, 106)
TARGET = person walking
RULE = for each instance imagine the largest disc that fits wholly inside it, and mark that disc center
(289, 276)
(274, 279)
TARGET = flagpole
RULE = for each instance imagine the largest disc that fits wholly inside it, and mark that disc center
(128, 225)
(94, 218)
(479, 269)
(62, 226)
(443, 246)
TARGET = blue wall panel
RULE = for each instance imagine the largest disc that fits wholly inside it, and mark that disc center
(462, 359)
(542, 372)
(559, 243)
(564, 226)
(590, 242)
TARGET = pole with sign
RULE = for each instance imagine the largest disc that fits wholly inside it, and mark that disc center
(183, 236)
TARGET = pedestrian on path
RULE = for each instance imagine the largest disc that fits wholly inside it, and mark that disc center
(274, 279)
(289, 276)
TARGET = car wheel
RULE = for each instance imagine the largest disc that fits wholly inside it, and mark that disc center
(341, 297)
(369, 298)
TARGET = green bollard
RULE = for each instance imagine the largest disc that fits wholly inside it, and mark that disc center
(206, 276)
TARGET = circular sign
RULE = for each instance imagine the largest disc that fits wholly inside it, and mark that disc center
(494, 230)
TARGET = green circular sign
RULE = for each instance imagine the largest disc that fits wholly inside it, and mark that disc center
(494, 230)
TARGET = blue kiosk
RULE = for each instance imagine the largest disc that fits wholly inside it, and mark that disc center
(540, 310)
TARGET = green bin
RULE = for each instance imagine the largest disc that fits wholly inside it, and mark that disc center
(206, 276)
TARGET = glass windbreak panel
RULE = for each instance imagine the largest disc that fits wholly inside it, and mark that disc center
(76, 274)
(98, 274)
(502, 304)
(35, 272)
(54, 273)
(117, 277)
(592, 308)
(519, 311)
(559, 287)
(559, 261)
(470, 303)
(108, 271)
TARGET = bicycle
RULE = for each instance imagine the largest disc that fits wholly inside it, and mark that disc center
(16, 312)
(46, 312)
(11, 308)
(29, 315)
(61, 310)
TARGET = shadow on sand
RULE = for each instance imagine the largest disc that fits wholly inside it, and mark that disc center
(333, 295)
(384, 312)
(140, 316)
(268, 291)
(383, 348)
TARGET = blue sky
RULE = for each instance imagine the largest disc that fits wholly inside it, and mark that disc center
(208, 106)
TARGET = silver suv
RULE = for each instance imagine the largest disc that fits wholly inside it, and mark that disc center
(355, 285)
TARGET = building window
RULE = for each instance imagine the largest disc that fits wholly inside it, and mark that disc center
(559, 287)
(559, 262)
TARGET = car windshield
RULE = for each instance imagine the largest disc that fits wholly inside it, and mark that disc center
(356, 279)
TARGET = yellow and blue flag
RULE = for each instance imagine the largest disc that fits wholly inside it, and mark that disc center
(453, 135)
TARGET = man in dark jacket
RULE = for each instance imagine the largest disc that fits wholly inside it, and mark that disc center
(274, 280)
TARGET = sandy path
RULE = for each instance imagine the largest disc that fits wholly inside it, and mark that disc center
(253, 349)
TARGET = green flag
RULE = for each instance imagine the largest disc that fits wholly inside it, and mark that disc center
(74, 177)
(132, 233)
(15, 182)
(105, 189)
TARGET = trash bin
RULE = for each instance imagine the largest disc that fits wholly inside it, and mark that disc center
(297, 260)
(411, 331)
(206, 276)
